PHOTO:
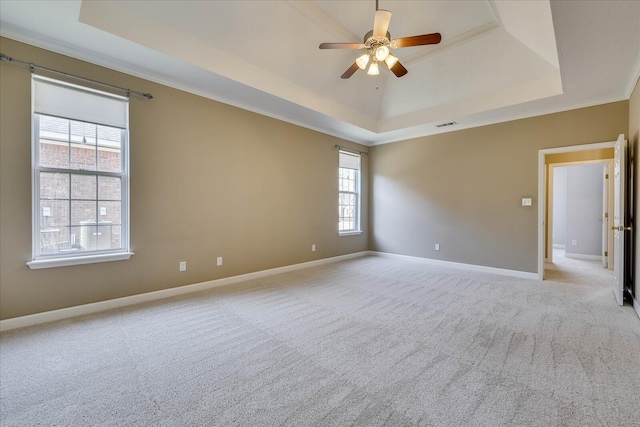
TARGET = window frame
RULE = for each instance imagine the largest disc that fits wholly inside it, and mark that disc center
(358, 178)
(39, 260)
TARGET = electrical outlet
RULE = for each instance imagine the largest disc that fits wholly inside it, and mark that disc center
(574, 243)
(313, 248)
(183, 265)
(219, 261)
(437, 246)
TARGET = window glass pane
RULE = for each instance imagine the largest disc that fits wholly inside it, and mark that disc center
(109, 188)
(108, 236)
(347, 180)
(85, 237)
(54, 213)
(54, 155)
(53, 145)
(54, 128)
(109, 160)
(109, 137)
(83, 187)
(109, 212)
(54, 240)
(83, 133)
(115, 237)
(83, 212)
(109, 152)
(54, 185)
(83, 156)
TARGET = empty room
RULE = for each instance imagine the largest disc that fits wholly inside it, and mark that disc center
(319, 213)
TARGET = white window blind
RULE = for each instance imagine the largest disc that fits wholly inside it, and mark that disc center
(349, 161)
(60, 99)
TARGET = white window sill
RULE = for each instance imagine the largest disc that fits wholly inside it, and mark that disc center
(349, 233)
(78, 260)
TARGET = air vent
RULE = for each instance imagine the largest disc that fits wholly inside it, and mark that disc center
(441, 125)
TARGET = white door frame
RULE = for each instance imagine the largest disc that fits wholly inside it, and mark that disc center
(542, 191)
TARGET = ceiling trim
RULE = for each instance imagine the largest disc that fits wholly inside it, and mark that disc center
(460, 125)
(633, 79)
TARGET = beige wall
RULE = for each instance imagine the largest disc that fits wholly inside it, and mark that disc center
(634, 141)
(463, 189)
(207, 180)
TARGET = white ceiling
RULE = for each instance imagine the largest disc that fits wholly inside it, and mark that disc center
(498, 60)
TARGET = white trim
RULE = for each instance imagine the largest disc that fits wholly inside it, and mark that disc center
(559, 246)
(79, 310)
(542, 181)
(349, 233)
(633, 79)
(583, 256)
(636, 306)
(78, 260)
(582, 147)
(463, 266)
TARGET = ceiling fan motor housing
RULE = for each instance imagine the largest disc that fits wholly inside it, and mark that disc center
(372, 41)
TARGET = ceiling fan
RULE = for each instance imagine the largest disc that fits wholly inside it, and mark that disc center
(378, 44)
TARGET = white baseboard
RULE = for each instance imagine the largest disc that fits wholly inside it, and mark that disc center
(582, 256)
(636, 306)
(79, 310)
(471, 267)
(559, 246)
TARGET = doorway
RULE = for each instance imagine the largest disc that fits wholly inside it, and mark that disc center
(548, 159)
(578, 207)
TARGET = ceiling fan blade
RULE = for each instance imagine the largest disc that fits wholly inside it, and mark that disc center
(417, 40)
(350, 71)
(342, 46)
(381, 23)
(398, 69)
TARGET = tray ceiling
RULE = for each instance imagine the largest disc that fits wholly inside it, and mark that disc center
(498, 60)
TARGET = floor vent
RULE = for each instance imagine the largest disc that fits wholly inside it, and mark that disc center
(441, 125)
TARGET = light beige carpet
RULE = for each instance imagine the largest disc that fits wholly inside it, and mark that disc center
(370, 342)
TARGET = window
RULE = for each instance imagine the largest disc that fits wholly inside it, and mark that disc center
(80, 175)
(349, 193)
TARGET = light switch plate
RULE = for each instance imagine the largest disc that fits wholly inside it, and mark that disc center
(526, 201)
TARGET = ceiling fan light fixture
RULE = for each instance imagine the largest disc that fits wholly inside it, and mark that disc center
(382, 53)
(391, 61)
(373, 69)
(362, 61)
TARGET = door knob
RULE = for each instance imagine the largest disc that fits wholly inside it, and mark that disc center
(621, 228)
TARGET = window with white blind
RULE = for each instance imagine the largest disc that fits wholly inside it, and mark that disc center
(349, 193)
(80, 175)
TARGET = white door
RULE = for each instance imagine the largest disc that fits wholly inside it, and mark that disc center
(619, 209)
(605, 215)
